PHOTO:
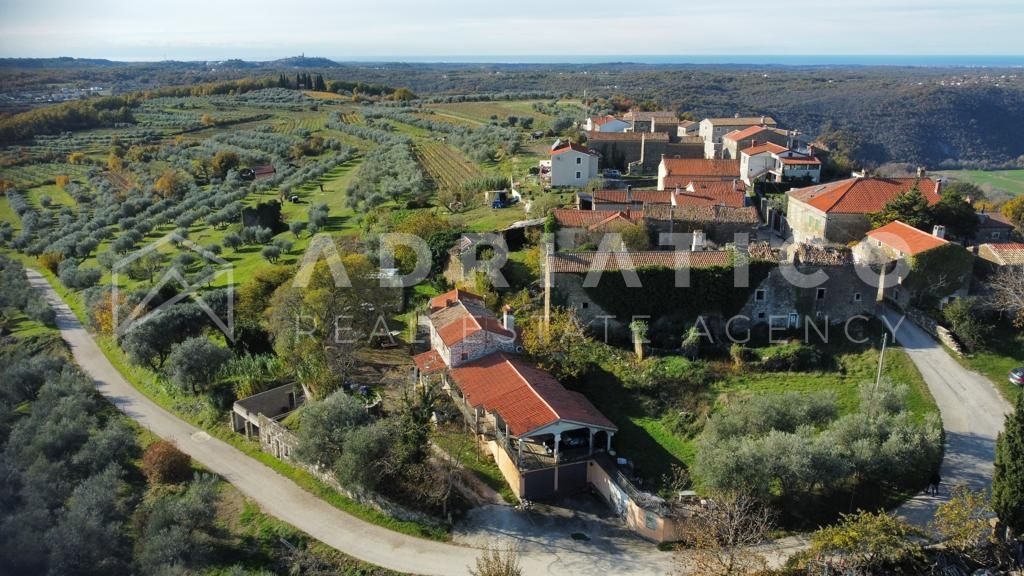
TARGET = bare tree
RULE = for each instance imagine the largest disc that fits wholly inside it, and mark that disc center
(1007, 293)
(498, 561)
(722, 537)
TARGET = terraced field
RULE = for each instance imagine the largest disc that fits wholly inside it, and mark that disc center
(447, 167)
(32, 175)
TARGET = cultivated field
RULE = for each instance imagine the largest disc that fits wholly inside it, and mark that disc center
(999, 182)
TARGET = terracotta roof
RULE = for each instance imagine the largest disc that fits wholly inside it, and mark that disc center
(737, 135)
(584, 262)
(1005, 254)
(769, 147)
(594, 136)
(525, 397)
(906, 238)
(602, 120)
(452, 296)
(638, 196)
(465, 318)
(699, 168)
(571, 218)
(616, 218)
(746, 121)
(862, 195)
(720, 193)
(429, 362)
(709, 213)
(572, 146)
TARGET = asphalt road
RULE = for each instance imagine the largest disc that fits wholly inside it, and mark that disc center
(282, 498)
(972, 417)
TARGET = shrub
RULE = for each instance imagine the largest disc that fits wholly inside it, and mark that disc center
(164, 463)
(50, 261)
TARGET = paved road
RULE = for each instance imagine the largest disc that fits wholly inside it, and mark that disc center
(283, 499)
(972, 416)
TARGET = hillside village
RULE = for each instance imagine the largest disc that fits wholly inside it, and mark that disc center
(639, 310)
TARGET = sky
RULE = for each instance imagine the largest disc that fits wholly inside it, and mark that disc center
(418, 30)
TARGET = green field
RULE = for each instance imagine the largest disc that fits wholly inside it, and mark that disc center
(1008, 182)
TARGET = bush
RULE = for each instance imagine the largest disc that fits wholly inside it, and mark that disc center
(50, 261)
(164, 463)
(964, 318)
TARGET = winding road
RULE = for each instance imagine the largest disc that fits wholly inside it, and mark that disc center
(282, 498)
(972, 416)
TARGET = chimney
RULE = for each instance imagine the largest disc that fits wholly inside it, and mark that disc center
(810, 150)
(762, 120)
(938, 186)
(698, 241)
(629, 194)
(735, 184)
(921, 172)
(939, 231)
(508, 320)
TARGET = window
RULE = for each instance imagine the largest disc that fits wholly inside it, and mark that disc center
(759, 295)
(856, 297)
(586, 305)
(579, 175)
(465, 356)
(821, 294)
(995, 235)
(579, 160)
(760, 315)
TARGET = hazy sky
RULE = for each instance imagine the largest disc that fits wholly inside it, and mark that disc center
(345, 29)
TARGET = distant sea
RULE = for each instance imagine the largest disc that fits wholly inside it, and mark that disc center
(990, 61)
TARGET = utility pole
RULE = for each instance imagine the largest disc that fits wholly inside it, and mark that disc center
(881, 359)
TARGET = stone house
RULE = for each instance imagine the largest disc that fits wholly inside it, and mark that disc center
(578, 227)
(573, 165)
(1000, 255)
(655, 121)
(993, 228)
(936, 270)
(712, 130)
(838, 212)
(719, 224)
(462, 329)
(738, 140)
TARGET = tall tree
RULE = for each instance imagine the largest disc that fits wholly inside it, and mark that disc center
(911, 208)
(955, 213)
(1014, 210)
(1008, 479)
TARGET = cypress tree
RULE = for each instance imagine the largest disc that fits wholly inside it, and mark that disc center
(1008, 479)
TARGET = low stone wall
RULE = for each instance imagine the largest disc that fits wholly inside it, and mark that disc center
(280, 442)
(929, 325)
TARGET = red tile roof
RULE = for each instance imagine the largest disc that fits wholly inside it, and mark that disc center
(571, 218)
(737, 135)
(525, 397)
(862, 195)
(451, 297)
(571, 146)
(1006, 253)
(429, 362)
(465, 318)
(709, 213)
(584, 262)
(769, 147)
(602, 120)
(707, 193)
(699, 168)
(638, 196)
(906, 238)
(800, 160)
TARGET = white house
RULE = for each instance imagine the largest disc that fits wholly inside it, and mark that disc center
(776, 163)
(573, 165)
(713, 129)
(606, 124)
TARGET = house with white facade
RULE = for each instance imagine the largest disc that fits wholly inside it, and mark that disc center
(712, 130)
(737, 140)
(606, 124)
(774, 163)
(573, 165)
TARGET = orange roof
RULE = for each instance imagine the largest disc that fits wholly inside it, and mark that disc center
(571, 146)
(451, 297)
(862, 195)
(906, 238)
(720, 193)
(429, 362)
(601, 121)
(737, 135)
(697, 168)
(465, 318)
(571, 218)
(770, 147)
(638, 196)
(524, 396)
(800, 160)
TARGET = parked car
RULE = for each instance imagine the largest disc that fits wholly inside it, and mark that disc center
(1017, 376)
(612, 174)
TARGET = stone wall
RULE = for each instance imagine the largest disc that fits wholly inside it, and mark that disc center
(845, 296)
